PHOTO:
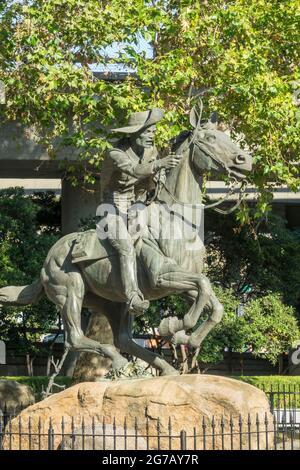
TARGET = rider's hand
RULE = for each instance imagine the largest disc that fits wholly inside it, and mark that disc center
(170, 161)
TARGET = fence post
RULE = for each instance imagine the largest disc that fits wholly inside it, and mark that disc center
(5, 415)
(182, 440)
(50, 436)
(271, 396)
(272, 402)
(1, 432)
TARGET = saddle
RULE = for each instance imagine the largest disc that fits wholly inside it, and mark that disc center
(88, 247)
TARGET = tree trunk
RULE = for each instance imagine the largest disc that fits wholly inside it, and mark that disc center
(29, 363)
(89, 366)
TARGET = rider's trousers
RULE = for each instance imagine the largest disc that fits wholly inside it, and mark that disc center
(113, 226)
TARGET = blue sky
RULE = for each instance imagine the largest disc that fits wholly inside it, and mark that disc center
(114, 51)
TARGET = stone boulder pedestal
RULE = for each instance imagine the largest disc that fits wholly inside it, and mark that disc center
(206, 411)
(14, 395)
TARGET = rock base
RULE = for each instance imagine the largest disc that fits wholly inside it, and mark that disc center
(14, 395)
(215, 413)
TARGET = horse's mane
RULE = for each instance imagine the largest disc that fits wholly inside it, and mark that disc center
(178, 140)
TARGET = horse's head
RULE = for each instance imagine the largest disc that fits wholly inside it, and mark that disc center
(214, 150)
(205, 148)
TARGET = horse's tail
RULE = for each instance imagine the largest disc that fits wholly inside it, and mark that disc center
(21, 295)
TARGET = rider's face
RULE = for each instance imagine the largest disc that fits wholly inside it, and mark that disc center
(145, 138)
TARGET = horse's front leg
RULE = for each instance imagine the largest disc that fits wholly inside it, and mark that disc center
(177, 328)
(197, 337)
(198, 295)
(217, 312)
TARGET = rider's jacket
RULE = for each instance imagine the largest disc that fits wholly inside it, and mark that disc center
(125, 178)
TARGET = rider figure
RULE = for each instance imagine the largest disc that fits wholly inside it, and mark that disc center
(130, 166)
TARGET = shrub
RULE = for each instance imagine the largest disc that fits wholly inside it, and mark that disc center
(277, 384)
(38, 384)
(268, 328)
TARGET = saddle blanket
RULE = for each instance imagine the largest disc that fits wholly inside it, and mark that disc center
(88, 247)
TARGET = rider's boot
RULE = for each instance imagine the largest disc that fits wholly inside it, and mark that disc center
(135, 299)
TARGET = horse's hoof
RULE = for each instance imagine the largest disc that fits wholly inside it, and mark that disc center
(119, 363)
(168, 326)
(180, 338)
(170, 371)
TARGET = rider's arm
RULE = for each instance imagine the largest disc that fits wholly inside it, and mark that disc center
(139, 170)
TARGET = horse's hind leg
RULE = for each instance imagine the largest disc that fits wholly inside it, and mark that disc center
(101, 307)
(121, 324)
(66, 290)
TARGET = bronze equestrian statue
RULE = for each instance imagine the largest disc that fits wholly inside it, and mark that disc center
(81, 272)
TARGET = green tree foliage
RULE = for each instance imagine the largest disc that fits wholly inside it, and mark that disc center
(265, 325)
(172, 305)
(241, 55)
(25, 238)
(268, 328)
(254, 259)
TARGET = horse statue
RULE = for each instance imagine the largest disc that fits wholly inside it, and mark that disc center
(165, 264)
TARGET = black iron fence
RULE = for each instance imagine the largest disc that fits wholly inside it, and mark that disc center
(224, 433)
(285, 403)
(278, 430)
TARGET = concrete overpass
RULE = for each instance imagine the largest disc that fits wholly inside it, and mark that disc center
(24, 162)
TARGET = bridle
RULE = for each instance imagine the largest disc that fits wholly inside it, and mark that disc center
(235, 185)
(192, 143)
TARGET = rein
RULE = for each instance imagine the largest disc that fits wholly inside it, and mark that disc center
(214, 205)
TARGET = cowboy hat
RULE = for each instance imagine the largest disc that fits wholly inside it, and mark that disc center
(141, 120)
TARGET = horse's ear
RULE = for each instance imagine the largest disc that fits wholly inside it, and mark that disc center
(214, 118)
(194, 117)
